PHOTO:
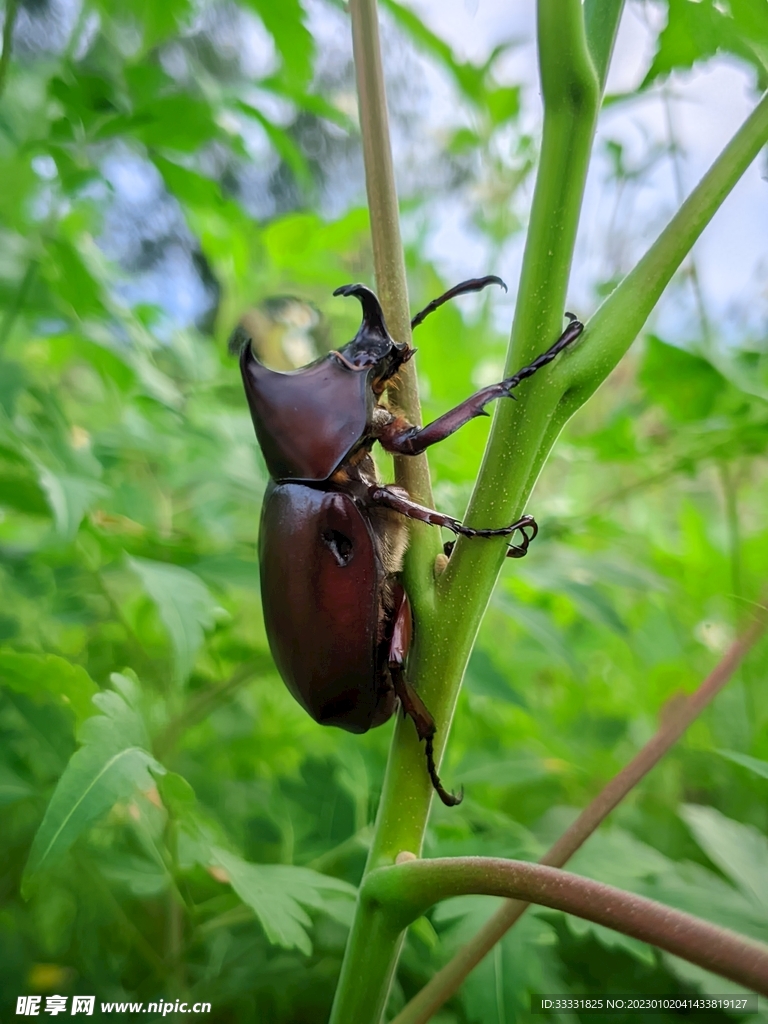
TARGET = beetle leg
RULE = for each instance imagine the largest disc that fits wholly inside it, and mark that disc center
(398, 500)
(410, 701)
(476, 284)
(402, 438)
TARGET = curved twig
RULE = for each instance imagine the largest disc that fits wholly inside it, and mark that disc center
(409, 889)
(449, 978)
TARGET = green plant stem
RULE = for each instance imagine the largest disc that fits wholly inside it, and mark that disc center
(406, 765)
(445, 633)
(449, 978)
(11, 13)
(570, 91)
(389, 264)
(601, 23)
(729, 487)
(621, 316)
(411, 889)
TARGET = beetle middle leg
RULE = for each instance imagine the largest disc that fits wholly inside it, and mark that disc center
(412, 704)
(398, 500)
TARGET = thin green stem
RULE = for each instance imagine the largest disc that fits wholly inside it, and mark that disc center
(373, 948)
(601, 22)
(411, 889)
(11, 13)
(729, 486)
(388, 261)
(621, 316)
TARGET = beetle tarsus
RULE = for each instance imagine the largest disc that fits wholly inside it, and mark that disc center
(569, 335)
(415, 708)
(449, 799)
(475, 284)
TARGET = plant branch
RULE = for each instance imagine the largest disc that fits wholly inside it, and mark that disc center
(11, 13)
(621, 316)
(449, 979)
(389, 264)
(414, 887)
(571, 97)
(601, 23)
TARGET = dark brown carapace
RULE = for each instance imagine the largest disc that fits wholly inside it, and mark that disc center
(333, 537)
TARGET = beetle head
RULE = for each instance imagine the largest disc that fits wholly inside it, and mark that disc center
(372, 346)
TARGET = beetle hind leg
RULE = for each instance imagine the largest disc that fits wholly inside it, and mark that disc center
(412, 704)
(415, 708)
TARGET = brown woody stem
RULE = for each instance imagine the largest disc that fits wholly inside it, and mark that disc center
(415, 886)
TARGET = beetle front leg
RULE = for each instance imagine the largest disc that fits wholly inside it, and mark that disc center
(475, 284)
(402, 438)
(412, 704)
(398, 500)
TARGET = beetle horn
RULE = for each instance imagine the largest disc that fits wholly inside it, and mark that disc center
(373, 317)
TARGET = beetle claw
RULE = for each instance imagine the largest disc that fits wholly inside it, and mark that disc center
(449, 799)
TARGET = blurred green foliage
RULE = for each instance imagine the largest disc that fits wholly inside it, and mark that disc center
(173, 823)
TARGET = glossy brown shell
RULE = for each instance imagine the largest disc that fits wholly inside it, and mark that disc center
(321, 587)
(307, 421)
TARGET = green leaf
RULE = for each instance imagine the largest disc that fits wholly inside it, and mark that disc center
(740, 851)
(189, 186)
(697, 29)
(540, 626)
(138, 876)
(284, 145)
(285, 23)
(485, 679)
(180, 122)
(71, 282)
(611, 940)
(12, 788)
(503, 104)
(23, 495)
(278, 894)
(758, 767)
(177, 794)
(111, 764)
(35, 674)
(69, 498)
(469, 78)
(686, 385)
(185, 606)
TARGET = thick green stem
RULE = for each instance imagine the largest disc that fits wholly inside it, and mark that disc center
(409, 890)
(571, 97)
(444, 634)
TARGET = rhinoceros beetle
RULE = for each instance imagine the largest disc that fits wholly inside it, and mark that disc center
(332, 537)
